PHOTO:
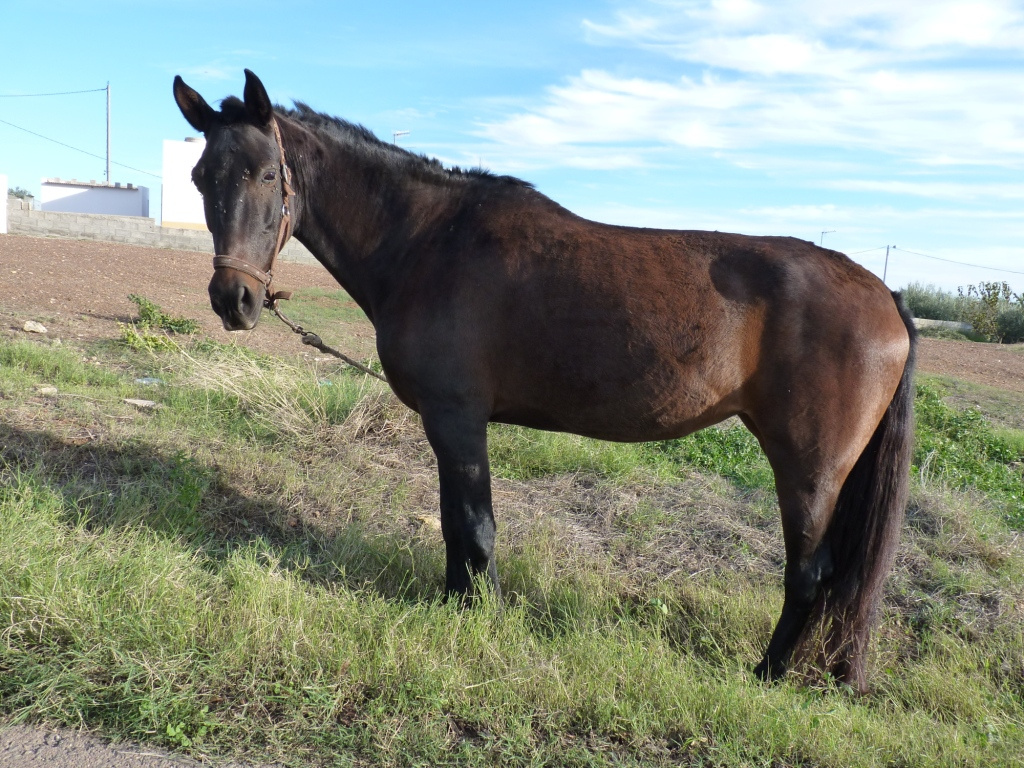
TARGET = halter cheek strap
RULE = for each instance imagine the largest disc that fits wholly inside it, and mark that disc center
(283, 233)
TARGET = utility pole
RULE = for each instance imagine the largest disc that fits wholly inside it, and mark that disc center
(108, 131)
(396, 134)
(822, 241)
(885, 269)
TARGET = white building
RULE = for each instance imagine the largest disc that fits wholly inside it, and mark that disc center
(181, 205)
(111, 198)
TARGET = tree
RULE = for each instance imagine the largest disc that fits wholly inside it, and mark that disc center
(986, 306)
(19, 193)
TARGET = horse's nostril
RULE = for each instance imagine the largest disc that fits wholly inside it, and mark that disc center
(245, 299)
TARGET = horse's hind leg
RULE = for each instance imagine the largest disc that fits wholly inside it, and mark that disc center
(805, 515)
(807, 496)
(467, 521)
(811, 461)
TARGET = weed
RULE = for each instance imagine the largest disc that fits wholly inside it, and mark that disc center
(152, 316)
(140, 337)
(150, 331)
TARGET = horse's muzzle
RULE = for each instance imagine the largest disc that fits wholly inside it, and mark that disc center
(237, 299)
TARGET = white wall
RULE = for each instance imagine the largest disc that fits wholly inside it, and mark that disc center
(3, 208)
(181, 204)
(86, 197)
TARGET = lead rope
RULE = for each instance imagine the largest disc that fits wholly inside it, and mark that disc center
(315, 341)
(272, 299)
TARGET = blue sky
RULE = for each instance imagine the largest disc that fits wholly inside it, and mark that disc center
(877, 122)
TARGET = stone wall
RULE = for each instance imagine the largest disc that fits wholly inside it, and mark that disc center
(133, 230)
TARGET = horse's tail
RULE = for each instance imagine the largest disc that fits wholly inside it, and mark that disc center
(865, 529)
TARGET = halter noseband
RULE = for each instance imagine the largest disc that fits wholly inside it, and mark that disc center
(283, 233)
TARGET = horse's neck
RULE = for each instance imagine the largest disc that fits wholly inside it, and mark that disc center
(353, 223)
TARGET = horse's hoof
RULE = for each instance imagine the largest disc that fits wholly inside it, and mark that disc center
(769, 673)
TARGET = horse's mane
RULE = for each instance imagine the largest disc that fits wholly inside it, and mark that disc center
(362, 138)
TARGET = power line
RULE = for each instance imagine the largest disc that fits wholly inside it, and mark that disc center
(58, 93)
(939, 258)
(83, 151)
(961, 263)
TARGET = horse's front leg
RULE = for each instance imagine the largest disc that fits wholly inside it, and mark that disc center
(467, 521)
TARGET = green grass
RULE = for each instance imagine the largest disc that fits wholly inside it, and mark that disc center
(318, 308)
(23, 362)
(1000, 407)
(232, 574)
(959, 448)
(521, 454)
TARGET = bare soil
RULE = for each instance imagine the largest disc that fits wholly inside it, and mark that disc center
(79, 290)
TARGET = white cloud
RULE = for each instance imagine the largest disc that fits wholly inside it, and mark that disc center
(939, 190)
(970, 24)
(892, 78)
(927, 118)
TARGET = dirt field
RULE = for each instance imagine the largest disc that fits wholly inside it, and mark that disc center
(79, 291)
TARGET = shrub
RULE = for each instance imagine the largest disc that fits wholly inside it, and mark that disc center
(1010, 324)
(929, 302)
(992, 308)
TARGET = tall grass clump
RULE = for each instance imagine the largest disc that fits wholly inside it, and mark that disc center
(278, 397)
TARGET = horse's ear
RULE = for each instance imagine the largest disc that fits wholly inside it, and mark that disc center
(257, 102)
(199, 114)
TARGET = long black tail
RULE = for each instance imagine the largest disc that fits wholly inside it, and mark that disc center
(865, 530)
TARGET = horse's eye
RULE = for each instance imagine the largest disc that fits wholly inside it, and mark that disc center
(269, 176)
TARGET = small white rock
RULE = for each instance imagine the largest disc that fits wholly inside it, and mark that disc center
(31, 326)
(48, 391)
(146, 405)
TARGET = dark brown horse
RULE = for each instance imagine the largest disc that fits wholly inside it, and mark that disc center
(493, 303)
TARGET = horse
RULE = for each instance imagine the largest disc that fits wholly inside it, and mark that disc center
(492, 303)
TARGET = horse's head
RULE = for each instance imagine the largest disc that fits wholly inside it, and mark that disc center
(242, 176)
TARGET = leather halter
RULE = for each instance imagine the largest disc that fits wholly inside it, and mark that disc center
(283, 233)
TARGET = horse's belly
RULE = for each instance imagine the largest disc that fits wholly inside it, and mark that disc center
(654, 404)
